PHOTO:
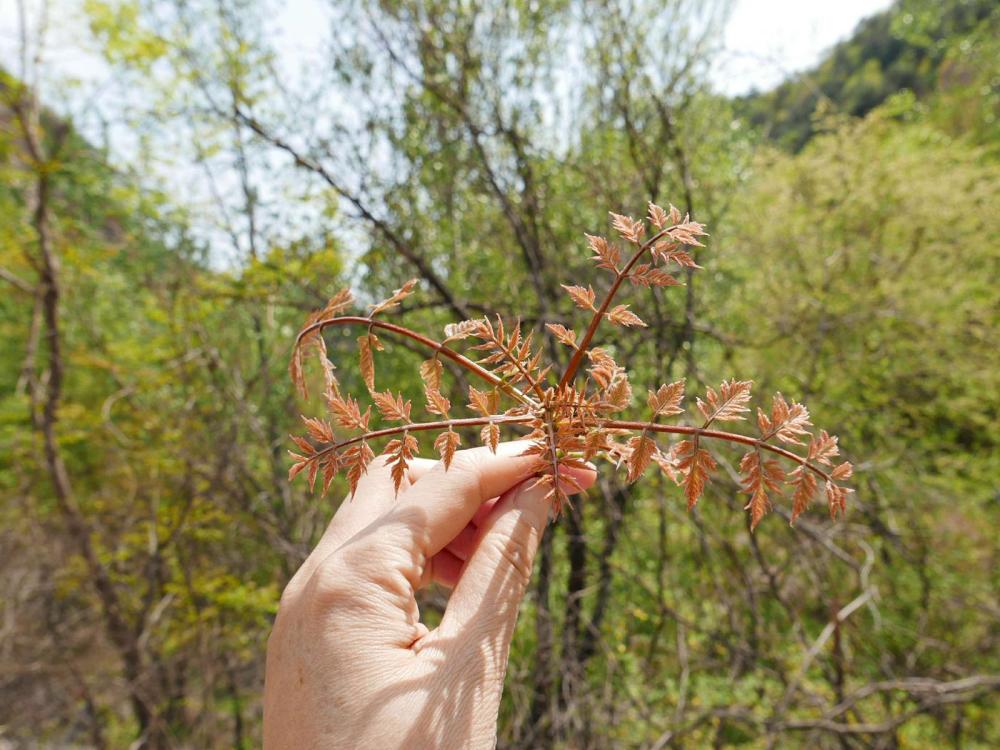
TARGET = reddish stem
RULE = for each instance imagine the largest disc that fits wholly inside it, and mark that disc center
(581, 350)
(732, 437)
(618, 424)
(430, 343)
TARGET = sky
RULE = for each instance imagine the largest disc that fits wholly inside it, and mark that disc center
(765, 40)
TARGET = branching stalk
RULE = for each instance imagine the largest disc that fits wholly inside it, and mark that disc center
(430, 343)
(582, 346)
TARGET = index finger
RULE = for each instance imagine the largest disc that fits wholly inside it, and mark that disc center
(443, 502)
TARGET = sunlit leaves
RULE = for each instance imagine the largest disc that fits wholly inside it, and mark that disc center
(569, 423)
(787, 422)
(621, 315)
(446, 444)
(728, 404)
(629, 228)
(563, 334)
(695, 464)
(397, 296)
(759, 476)
(606, 254)
(641, 449)
(461, 330)
(485, 403)
(400, 453)
(392, 408)
(657, 216)
(666, 400)
(583, 298)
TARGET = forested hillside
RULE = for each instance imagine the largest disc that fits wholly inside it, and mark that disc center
(930, 48)
(147, 524)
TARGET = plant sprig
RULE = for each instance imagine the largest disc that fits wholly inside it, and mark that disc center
(570, 421)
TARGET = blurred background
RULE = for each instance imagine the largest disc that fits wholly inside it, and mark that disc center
(183, 180)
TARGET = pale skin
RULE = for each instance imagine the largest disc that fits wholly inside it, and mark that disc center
(350, 665)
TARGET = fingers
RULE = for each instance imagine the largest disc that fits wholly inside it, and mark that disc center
(493, 581)
(441, 503)
(375, 495)
(445, 568)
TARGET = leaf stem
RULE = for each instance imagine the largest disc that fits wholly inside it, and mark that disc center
(574, 363)
(430, 343)
(421, 427)
(732, 437)
(617, 424)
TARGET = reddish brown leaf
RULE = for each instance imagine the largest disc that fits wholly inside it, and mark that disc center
(629, 228)
(696, 464)
(400, 453)
(668, 465)
(296, 468)
(392, 408)
(318, 429)
(337, 304)
(348, 414)
(804, 482)
(729, 404)
(485, 403)
(621, 315)
(657, 216)
(787, 421)
(331, 465)
(584, 298)
(462, 330)
(303, 445)
(842, 471)
(687, 233)
(446, 443)
(836, 497)
(357, 457)
(436, 402)
(430, 373)
(366, 344)
(490, 435)
(645, 274)
(758, 477)
(641, 449)
(666, 400)
(606, 254)
(823, 448)
(397, 296)
(563, 334)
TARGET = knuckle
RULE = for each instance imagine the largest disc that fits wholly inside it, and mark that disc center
(328, 582)
(465, 474)
(517, 553)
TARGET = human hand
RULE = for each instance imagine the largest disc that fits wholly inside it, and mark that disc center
(349, 665)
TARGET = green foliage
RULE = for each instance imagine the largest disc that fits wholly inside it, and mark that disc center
(857, 272)
(929, 47)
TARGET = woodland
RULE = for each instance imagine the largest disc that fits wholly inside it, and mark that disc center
(164, 238)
